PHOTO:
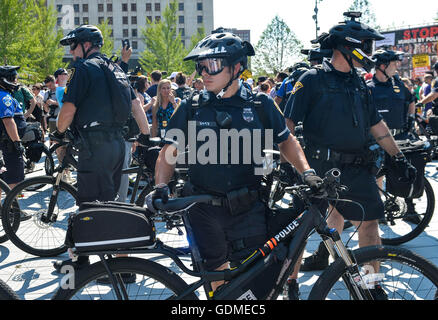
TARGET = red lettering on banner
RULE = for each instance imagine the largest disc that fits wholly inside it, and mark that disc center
(415, 33)
(407, 35)
(433, 31)
(424, 33)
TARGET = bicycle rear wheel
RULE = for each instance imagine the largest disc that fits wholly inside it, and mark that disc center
(400, 214)
(6, 293)
(153, 282)
(33, 235)
(4, 191)
(403, 275)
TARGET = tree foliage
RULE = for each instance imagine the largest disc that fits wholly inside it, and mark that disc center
(108, 41)
(277, 49)
(163, 44)
(28, 38)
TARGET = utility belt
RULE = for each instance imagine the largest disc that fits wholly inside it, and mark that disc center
(237, 201)
(327, 154)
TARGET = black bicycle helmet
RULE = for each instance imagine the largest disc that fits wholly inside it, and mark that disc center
(317, 54)
(386, 56)
(223, 45)
(7, 77)
(83, 34)
(354, 39)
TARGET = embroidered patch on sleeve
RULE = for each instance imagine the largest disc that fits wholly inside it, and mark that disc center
(297, 87)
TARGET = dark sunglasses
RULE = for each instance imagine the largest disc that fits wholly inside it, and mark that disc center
(212, 66)
(73, 46)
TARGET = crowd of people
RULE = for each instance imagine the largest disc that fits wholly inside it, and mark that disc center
(343, 106)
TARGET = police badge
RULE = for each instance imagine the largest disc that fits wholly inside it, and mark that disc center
(248, 115)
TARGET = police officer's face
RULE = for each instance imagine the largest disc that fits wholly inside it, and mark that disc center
(392, 68)
(77, 51)
(217, 82)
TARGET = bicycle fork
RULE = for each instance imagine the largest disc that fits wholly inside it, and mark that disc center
(352, 278)
(49, 216)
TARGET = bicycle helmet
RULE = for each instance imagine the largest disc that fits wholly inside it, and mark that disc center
(317, 54)
(7, 78)
(224, 45)
(354, 39)
(385, 57)
(82, 34)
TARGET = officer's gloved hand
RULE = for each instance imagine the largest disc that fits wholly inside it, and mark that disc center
(58, 135)
(19, 147)
(144, 140)
(161, 191)
(312, 180)
(411, 123)
(406, 171)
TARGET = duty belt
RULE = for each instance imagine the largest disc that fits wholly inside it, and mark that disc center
(327, 154)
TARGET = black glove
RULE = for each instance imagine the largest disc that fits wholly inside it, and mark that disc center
(405, 170)
(143, 139)
(19, 147)
(149, 156)
(161, 191)
(411, 123)
(58, 135)
(312, 180)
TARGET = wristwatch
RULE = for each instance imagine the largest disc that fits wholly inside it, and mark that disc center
(308, 173)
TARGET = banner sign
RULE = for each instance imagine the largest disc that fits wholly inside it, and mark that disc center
(419, 46)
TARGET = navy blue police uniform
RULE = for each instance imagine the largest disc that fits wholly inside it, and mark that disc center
(337, 112)
(11, 108)
(221, 232)
(102, 147)
(392, 100)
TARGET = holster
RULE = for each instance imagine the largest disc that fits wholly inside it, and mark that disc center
(241, 200)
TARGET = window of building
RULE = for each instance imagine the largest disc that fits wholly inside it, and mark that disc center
(100, 7)
(199, 6)
(58, 22)
(149, 19)
(183, 42)
(134, 33)
(133, 7)
(148, 6)
(157, 7)
(100, 20)
(85, 20)
(125, 20)
(157, 19)
(111, 33)
(134, 20)
(124, 7)
(181, 6)
(77, 22)
(200, 19)
(76, 7)
(181, 19)
(109, 7)
(85, 7)
(125, 33)
(59, 7)
(110, 20)
(182, 31)
(134, 45)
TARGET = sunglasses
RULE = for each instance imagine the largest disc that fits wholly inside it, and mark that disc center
(212, 66)
(73, 46)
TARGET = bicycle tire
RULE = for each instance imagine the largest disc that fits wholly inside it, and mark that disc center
(6, 292)
(420, 266)
(49, 163)
(34, 228)
(419, 228)
(5, 190)
(85, 285)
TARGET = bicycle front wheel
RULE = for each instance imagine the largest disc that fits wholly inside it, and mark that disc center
(152, 282)
(34, 233)
(403, 275)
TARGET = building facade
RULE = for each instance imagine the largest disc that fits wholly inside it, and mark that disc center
(128, 17)
(245, 35)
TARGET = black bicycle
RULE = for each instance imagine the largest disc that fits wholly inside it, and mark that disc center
(402, 274)
(48, 202)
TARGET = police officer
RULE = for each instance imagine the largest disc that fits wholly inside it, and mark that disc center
(317, 55)
(338, 115)
(393, 100)
(12, 126)
(433, 95)
(224, 231)
(87, 110)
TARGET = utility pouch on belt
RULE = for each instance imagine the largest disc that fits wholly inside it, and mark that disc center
(240, 201)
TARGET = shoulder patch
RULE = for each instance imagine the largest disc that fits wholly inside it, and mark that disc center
(297, 87)
(7, 100)
(71, 73)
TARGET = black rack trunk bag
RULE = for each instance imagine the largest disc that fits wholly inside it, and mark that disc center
(107, 228)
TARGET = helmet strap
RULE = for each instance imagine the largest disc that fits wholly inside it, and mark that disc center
(384, 71)
(220, 95)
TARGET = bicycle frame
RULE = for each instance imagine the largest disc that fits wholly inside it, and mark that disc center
(294, 235)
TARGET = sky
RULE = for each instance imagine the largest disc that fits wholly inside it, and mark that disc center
(257, 14)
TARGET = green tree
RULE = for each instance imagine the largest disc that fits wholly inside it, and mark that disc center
(108, 41)
(368, 16)
(163, 44)
(277, 49)
(189, 66)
